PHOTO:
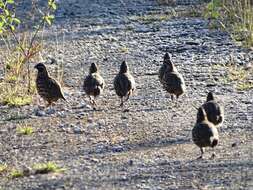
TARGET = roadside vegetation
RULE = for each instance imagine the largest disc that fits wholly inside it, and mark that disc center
(21, 44)
(234, 16)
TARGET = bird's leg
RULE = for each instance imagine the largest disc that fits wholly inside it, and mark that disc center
(128, 95)
(213, 155)
(91, 101)
(172, 97)
(122, 102)
(202, 152)
(177, 101)
(94, 104)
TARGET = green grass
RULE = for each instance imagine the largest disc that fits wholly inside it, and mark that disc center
(234, 16)
(3, 168)
(49, 167)
(24, 130)
(16, 174)
(17, 100)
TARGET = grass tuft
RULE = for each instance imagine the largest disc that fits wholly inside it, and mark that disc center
(16, 173)
(17, 100)
(240, 76)
(48, 167)
(3, 168)
(24, 130)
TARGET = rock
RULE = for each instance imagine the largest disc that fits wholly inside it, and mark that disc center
(117, 149)
(77, 130)
(234, 144)
(50, 111)
(62, 114)
(130, 162)
(40, 113)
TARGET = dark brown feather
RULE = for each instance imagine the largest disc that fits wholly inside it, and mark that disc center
(204, 133)
(93, 84)
(215, 112)
(124, 83)
(47, 87)
(170, 78)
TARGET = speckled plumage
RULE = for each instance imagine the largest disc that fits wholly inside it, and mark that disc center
(172, 81)
(215, 112)
(124, 83)
(93, 84)
(47, 87)
(204, 133)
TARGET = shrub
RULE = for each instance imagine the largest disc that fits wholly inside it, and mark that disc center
(235, 16)
(20, 49)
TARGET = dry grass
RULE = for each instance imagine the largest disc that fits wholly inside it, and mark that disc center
(240, 76)
(234, 16)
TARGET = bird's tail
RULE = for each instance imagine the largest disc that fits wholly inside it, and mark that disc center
(62, 97)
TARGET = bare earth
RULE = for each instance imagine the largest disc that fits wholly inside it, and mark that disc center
(150, 146)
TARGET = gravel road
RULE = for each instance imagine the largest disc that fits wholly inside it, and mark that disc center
(148, 147)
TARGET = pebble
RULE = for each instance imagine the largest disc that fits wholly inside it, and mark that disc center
(117, 149)
(50, 111)
(77, 130)
(40, 113)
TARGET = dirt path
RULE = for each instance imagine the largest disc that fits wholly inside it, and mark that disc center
(150, 146)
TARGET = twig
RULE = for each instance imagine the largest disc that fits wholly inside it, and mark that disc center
(18, 42)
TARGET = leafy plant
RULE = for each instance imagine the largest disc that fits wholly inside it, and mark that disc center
(213, 9)
(17, 56)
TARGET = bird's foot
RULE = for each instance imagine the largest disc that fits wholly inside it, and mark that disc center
(213, 156)
(200, 158)
(126, 110)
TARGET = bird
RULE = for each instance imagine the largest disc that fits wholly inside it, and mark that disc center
(93, 84)
(47, 87)
(204, 133)
(214, 112)
(171, 80)
(124, 83)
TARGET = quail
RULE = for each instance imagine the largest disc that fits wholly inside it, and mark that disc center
(93, 84)
(171, 80)
(47, 87)
(214, 112)
(124, 83)
(204, 133)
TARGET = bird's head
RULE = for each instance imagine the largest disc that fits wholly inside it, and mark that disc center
(41, 68)
(93, 68)
(123, 67)
(201, 115)
(167, 62)
(209, 97)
